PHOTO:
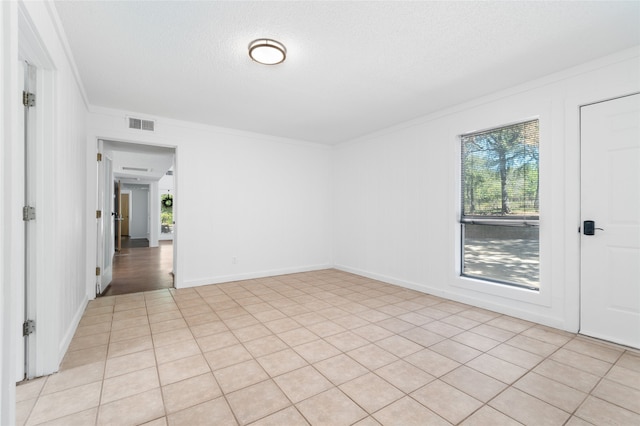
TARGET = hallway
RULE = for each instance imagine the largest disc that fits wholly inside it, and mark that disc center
(137, 269)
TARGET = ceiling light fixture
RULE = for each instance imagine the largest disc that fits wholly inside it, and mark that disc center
(267, 51)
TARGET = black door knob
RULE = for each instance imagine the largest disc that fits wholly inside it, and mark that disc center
(589, 227)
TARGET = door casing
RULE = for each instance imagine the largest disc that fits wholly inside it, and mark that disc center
(105, 223)
(600, 315)
(102, 180)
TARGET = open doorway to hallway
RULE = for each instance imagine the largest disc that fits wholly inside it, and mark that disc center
(138, 253)
(139, 267)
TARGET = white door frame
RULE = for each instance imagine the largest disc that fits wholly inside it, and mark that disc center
(31, 227)
(582, 217)
(9, 129)
(154, 221)
(570, 201)
(43, 300)
(105, 234)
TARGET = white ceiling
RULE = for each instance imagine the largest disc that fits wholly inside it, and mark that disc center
(352, 67)
(155, 160)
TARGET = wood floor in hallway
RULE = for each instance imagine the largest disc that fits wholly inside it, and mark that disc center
(142, 269)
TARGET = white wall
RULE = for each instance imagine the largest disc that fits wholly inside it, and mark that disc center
(165, 184)
(139, 210)
(262, 201)
(383, 206)
(9, 131)
(30, 31)
(397, 197)
(60, 195)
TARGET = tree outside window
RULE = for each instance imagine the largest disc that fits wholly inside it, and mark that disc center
(166, 213)
(500, 204)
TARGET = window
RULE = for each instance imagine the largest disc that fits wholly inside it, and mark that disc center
(500, 208)
(166, 213)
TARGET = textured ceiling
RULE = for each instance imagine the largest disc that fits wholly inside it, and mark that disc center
(352, 67)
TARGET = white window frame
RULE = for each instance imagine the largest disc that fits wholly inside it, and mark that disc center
(493, 284)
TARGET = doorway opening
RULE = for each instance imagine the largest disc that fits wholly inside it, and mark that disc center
(137, 269)
(136, 255)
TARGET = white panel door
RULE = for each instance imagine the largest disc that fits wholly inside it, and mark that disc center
(105, 244)
(31, 226)
(610, 196)
(20, 342)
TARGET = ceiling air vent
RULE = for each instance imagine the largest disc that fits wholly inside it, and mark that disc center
(140, 124)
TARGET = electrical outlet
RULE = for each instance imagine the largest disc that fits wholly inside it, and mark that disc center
(234, 260)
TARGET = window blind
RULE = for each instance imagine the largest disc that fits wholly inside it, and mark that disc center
(500, 175)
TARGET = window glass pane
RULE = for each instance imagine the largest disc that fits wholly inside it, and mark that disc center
(166, 213)
(507, 254)
(500, 208)
(500, 172)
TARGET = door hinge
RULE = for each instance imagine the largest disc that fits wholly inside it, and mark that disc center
(28, 99)
(98, 214)
(28, 213)
(99, 156)
(28, 327)
(97, 270)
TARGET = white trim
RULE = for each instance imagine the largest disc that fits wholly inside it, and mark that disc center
(178, 259)
(135, 141)
(8, 98)
(62, 37)
(36, 26)
(572, 201)
(32, 228)
(31, 47)
(154, 214)
(543, 297)
(573, 114)
(152, 186)
(163, 122)
(68, 336)
(524, 87)
(100, 230)
(46, 298)
(252, 275)
(557, 105)
(503, 308)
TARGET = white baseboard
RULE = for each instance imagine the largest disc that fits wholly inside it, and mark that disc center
(71, 330)
(469, 300)
(252, 275)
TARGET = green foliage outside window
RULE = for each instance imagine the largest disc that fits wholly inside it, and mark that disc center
(166, 210)
(500, 169)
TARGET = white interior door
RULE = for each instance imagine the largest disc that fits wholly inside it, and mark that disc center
(610, 197)
(30, 221)
(21, 296)
(105, 246)
(108, 220)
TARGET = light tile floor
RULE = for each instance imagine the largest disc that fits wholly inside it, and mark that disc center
(325, 348)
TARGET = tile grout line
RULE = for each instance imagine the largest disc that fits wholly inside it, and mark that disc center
(223, 393)
(155, 358)
(293, 287)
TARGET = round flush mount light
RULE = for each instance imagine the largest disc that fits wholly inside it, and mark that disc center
(267, 51)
